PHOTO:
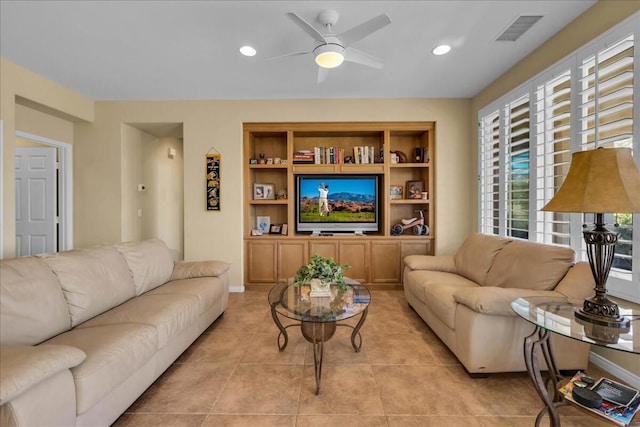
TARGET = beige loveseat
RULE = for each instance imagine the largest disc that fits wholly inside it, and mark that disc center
(465, 299)
(84, 332)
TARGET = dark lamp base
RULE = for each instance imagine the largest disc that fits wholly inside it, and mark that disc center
(612, 322)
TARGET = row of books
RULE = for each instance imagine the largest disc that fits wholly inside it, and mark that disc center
(619, 402)
(335, 155)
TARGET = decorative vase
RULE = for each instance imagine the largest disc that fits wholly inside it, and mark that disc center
(319, 288)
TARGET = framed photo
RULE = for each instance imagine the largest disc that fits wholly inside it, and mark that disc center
(414, 189)
(263, 224)
(284, 229)
(396, 192)
(269, 191)
(275, 228)
(258, 191)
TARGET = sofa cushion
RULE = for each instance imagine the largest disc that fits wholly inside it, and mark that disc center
(150, 262)
(497, 301)
(439, 296)
(207, 290)
(529, 265)
(32, 304)
(191, 269)
(476, 254)
(169, 314)
(93, 280)
(114, 353)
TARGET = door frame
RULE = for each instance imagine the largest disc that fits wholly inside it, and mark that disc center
(65, 186)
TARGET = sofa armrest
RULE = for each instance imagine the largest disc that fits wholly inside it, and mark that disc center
(442, 263)
(191, 269)
(22, 367)
(497, 301)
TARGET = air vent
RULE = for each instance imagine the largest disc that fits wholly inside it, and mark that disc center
(520, 26)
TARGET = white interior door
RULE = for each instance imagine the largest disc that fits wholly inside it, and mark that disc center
(36, 200)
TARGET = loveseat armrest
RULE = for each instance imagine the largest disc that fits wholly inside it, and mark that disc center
(22, 367)
(497, 301)
(191, 269)
(442, 263)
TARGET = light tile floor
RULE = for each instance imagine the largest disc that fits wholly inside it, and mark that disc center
(234, 375)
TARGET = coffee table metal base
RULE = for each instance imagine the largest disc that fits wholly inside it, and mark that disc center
(317, 333)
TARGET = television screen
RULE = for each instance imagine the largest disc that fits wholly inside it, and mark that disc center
(342, 203)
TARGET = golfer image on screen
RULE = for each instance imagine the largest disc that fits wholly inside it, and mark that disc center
(323, 206)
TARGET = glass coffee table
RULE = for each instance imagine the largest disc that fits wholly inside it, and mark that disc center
(319, 316)
(557, 317)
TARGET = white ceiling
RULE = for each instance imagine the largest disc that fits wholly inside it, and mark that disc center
(153, 50)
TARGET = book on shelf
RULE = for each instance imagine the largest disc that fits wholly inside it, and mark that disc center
(303, 156)
(620, 410)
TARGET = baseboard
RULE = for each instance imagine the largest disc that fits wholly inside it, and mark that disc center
(236, 289)
(627, 377)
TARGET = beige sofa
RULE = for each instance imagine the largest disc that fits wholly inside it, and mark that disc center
(84, 332)
(465, 299)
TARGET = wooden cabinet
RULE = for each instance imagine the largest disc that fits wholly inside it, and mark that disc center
(376, 258)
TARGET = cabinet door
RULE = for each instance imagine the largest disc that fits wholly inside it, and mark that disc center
(326, 249)
(416, 248)
(261, 261)
(291, 255)
(356, 254)
(386, 262)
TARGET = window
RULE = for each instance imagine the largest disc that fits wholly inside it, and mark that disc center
(526, 139)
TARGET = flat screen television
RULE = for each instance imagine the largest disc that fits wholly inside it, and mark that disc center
(331, 203)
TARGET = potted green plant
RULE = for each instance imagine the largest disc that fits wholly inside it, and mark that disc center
(320, 273)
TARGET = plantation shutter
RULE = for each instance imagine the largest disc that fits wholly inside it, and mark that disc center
(606, 120)
(490, 173)
(553, 156)
(516, 161)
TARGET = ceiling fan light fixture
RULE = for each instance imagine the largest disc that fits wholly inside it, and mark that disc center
(441, 50)
(329, 55)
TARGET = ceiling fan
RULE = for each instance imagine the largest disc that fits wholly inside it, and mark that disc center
(329, 49)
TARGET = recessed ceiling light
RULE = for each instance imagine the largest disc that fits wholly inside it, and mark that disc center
(247, 51)
(441, 50)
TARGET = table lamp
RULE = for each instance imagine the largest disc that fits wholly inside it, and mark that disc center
(605, 180)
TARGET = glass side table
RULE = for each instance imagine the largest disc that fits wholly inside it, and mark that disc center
(318, 316)
(549, 316)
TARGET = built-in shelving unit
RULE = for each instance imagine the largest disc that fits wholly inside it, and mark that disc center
(376, 258)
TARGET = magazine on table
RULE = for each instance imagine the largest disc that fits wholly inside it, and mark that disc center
(619, 413)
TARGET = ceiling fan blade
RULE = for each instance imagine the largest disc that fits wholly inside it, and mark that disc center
(359, 57)
(364, 29)
(275, 58)
(322, 74)
(306, 27)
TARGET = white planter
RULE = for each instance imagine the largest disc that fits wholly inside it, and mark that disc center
(319, 288)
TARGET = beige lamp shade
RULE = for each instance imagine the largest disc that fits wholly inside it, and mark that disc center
(605, 180)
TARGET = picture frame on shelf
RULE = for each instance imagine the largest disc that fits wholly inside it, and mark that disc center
(269, 191)
(414, 189)
(284, 229)
(396, 192)
(258, 191)
(275, 229)
(263, 224)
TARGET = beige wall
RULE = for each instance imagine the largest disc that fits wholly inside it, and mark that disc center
(218, 124)
(593, 22)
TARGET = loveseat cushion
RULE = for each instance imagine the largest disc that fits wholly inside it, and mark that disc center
(150, 262)
(530, 265)
(32, 304)
(114, 353)
(22, 367)
(577, 284)
(497, 301)
(439, 297)
(168, 314)
(93, 280)
(476, 254)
